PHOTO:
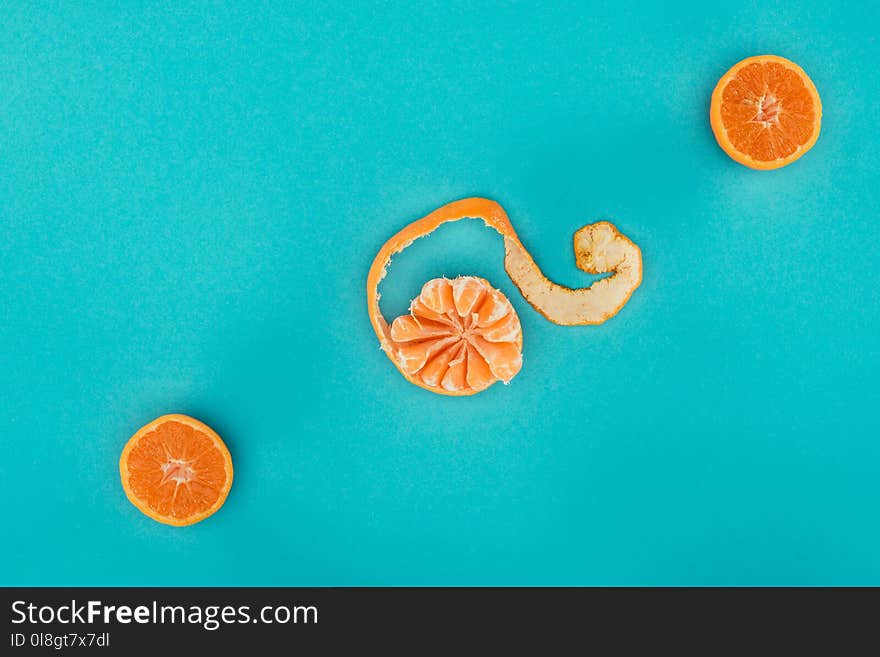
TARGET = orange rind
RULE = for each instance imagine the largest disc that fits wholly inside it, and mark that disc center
(599, 248)
(766, 112)
(176, 470)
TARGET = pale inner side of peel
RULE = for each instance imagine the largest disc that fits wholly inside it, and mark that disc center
(599, 249)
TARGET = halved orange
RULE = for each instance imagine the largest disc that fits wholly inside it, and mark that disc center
(176, 470)
(460, 337)
(766, 112)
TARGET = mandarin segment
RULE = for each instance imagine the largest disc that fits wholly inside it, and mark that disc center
(503, 358)
(176, 470)
(444, 344)
(766, 112)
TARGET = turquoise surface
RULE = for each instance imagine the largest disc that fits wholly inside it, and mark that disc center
(191, 196)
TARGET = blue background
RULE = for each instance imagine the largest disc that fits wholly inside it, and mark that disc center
(190, 198)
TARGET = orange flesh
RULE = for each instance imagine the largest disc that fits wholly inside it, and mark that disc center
(599, 248)
(461, 336)
(176, 470)
(766, 112)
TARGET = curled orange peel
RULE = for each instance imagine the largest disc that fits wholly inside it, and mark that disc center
(599, 248)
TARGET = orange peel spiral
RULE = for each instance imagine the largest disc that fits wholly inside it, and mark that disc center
(599, 248)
